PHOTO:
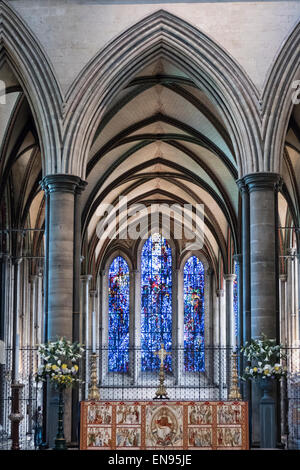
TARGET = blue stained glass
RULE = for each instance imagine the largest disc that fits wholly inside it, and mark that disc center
(156, 305)
(236, 298)
(118, 316)
(193, 274)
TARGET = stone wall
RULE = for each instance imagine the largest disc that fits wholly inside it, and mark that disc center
(73, 31)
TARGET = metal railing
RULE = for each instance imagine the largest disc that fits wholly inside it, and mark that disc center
(212, 383)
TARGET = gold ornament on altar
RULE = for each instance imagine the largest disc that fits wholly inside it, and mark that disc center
(94, 393)
(234, 393)
(161, 391)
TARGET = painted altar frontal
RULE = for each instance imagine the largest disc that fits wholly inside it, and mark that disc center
(164, 425)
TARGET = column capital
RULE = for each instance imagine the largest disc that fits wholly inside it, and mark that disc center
(5, 256)
(262, 180)
(63, 183)
(17, 259)
(86, 277)
(220, 292)
(33, 278)
(93, 293)
(230, 277)
(238, 258)
(283, 277)
(291, 251)
(242, 185)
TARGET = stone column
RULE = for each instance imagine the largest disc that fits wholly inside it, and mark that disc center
(61, 221)
(220, 350)
(283, 323)
(85, 279)
(283, 340)
(137, 324)
(263, 251)
(215, 332)
(32, 344)
(77, 260)
(230, 324)
(230, 320)
(290, 295)
(239, 261)
(33, 310)
(245, 317)
(40, 317)
(4, 286)
(16, 317)
(298, 301)
(262, 189)
(104, 325)
(102, 297)
(93, 296)
(209, 325)
(176, 360)
(133, 339)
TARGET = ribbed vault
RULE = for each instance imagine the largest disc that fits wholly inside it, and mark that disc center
(162, 141)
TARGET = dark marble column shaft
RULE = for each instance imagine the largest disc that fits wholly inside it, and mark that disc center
(263, 287)
(62, 228)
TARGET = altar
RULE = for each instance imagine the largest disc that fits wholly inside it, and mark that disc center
(160, 424)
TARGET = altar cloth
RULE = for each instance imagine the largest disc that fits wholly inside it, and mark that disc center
(164, 425)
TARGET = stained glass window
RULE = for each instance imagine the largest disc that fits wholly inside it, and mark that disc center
(193, 315)
(236, 298)
(118, 314)
(156, 296)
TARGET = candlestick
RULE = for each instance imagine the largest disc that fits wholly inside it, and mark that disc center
(94, 393)
(234, 390)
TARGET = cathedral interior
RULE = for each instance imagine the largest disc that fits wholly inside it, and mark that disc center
(156, 113)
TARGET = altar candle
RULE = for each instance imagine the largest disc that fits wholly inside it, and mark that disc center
(93, 332)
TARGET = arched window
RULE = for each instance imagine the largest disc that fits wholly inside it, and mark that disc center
(118, 313)
(156, 305)
(193, 315)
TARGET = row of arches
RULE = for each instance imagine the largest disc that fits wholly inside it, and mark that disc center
(66, 124)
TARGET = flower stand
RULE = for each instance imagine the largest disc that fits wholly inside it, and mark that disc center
(267, 415)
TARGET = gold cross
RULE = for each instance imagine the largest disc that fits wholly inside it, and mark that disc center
(162, 354)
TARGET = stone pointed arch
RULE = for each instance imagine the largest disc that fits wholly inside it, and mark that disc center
(163, 35)
(20, 48)
(277, 103)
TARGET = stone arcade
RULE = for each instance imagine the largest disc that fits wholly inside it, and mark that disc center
(166, 104)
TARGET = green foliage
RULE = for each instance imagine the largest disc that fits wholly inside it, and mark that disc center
(60, 363)
(265, 357)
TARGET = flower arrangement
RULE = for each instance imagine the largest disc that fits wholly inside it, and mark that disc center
(265, 357)
(60, 358)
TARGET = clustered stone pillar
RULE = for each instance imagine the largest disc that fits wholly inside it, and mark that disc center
(230, 323)
(61, 233)
(221, 344)
(85, 279)
(260, 276)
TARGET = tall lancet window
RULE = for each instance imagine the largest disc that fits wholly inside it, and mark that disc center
(118, 323)
(193, 315)
(156, 305)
